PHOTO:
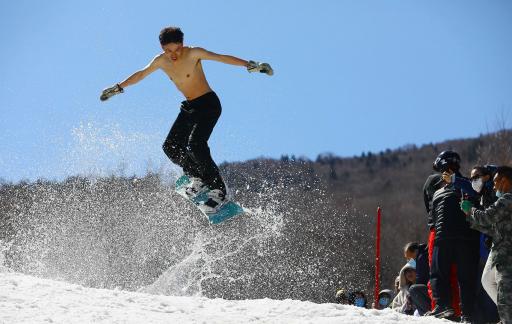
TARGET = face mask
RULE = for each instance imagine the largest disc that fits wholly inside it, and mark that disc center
(412, 263)
(499, 194)
(477, 184)
(384, 301)
(359, 302)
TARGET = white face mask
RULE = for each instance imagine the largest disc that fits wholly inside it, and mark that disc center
(477, 184)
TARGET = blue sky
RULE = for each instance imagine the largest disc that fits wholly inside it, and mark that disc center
(350, 76)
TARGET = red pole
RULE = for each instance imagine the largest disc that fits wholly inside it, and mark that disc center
(377, 260)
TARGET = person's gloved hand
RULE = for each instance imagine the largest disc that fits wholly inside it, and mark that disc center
(112, 91)
(466, 206)
(253, 66)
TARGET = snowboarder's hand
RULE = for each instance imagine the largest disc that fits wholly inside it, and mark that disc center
(112, 91)
(466, 206)
(253, 66)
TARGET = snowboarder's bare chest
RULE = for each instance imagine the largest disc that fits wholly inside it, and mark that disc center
(184, 71)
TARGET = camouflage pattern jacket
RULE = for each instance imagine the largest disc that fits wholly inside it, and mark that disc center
(496, 221)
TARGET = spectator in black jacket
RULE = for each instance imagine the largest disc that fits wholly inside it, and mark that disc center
(417, 255)
(482, 183)
(455, 242)
(479, 188)
(433, 183)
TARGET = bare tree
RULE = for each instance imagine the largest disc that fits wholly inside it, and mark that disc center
(496, 145)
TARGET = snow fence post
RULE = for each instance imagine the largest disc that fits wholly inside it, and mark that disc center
(377, 261)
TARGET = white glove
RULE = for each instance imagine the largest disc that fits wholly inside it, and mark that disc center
(112, 91)
(253, 66)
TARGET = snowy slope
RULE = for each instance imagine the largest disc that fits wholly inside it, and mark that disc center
(25, 299)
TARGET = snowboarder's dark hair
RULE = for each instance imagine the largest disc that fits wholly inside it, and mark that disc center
(505, 171)
(171, 35)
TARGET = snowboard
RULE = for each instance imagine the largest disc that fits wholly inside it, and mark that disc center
(229, 210)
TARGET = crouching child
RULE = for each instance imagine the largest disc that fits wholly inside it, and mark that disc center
(402, 302)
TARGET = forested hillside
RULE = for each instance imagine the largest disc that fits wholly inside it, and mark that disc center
(311, 230)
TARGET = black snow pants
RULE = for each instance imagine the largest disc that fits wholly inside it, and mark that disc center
(464, 253)
(187, 142)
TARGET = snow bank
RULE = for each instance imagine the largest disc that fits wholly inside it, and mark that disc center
(26, 299)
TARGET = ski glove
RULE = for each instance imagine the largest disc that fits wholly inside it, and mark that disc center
(253, 66)
(112, 91)
(466, 206)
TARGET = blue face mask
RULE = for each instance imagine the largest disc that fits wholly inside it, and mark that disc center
(384, 301)
(499, 194)
(359, 302)
(412, 263)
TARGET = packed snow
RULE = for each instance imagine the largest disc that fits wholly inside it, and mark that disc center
(27, 299)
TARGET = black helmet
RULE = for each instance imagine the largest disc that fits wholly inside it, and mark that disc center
(445, 160)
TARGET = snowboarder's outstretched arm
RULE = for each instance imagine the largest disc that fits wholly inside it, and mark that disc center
(251, 66)
(132, 79)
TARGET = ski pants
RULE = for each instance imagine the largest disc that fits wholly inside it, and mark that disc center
(489, 281)
(486, 294)
(420, 298)
(498, 284)
(465, 255)
(454, 285)
(187, 142)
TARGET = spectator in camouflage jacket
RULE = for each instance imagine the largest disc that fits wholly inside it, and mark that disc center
(497, 222)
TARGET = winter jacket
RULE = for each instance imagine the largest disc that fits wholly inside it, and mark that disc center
(464, 184)
(497, 220)
(447, 217)
(422, 266)
(401, 302)
(432, 184)
(487, 198)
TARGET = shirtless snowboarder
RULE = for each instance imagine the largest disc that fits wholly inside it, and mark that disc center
(187, 142)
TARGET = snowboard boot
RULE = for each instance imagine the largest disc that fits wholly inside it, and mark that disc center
(195, 187)
(216, 199)
(181, 182)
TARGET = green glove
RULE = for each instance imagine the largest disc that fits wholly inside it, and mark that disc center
(466, 206)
